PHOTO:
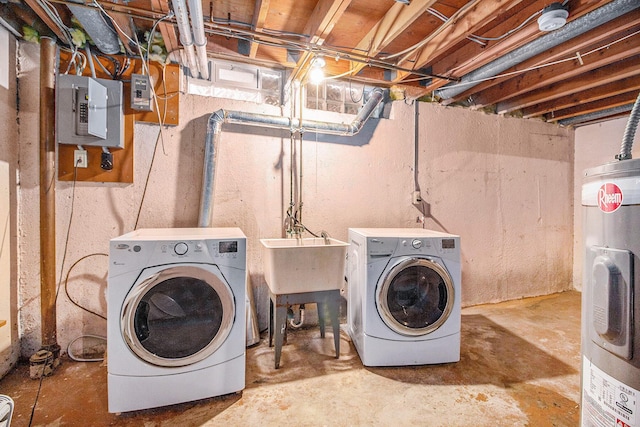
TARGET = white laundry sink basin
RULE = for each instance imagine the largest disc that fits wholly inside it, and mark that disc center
(304, 265)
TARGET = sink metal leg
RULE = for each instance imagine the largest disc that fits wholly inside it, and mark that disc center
(271, 320)
(321, 311)
(333, 314)
(326, 301)
(280, 325)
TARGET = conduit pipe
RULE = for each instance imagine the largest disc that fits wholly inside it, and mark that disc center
(573, 29)
(214, 128)
(630, 132)
(197, 24)
(48, 196)
(184, 28)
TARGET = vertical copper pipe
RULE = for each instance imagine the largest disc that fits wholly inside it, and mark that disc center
(47, 193)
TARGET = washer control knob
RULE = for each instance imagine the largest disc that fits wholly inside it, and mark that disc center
(181, 248)
(417, 244)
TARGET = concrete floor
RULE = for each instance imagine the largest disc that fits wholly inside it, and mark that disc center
(520, 366)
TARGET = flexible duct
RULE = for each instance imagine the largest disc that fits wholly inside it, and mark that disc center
(197, 24)
(184, 28)
(573, 29)
(630, 131)
(99, 29)
(214, 128)
(595, 116)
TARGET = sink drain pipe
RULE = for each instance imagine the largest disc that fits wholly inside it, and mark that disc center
(214, 129)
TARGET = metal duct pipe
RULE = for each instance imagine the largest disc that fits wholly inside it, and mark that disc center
(197, 24)
(573, 29)
(214, 128)
(48, 53)
(630, 131)
(98, 27)
(590, 117)
(184, 28)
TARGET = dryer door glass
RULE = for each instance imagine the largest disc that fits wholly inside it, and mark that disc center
(178, 316)
(416, 297)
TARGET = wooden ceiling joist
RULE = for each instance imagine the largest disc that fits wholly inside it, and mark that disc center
(620, 27)
(584, 96)
(623, 69)
(260, 13)
(398, 19)
(545, 76)
(592, 107)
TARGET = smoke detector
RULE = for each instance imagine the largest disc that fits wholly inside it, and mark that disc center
(553, 17)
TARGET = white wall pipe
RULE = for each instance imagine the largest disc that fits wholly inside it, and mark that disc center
(197, 25)
(184, 28)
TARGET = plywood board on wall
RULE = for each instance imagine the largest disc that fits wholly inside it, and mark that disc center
(166, 81)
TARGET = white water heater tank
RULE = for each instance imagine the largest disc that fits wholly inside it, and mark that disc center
(611, 296)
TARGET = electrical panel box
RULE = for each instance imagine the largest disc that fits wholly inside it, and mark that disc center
(140, 92)
(89, 111)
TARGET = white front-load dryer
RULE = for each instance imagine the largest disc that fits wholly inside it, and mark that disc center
(175, 316)
(404, 296)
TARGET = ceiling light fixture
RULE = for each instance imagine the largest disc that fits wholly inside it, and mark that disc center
(316, 74)
(553, 17)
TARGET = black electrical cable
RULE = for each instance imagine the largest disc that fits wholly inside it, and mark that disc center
(146, 182)
(35, 402)
(66, 239)
(66, 289)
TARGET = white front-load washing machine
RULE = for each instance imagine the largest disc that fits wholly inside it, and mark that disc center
(175, 316)
(404, 296)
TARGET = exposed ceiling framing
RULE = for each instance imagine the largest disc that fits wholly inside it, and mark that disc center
(589, 72)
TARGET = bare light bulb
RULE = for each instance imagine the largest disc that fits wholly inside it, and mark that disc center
(316, 75)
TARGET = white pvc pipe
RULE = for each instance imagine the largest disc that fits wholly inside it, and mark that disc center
(197, 24)
(184, 28)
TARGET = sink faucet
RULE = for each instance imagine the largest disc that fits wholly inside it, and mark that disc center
(325, 236)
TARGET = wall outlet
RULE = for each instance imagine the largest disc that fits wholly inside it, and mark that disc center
(416, 197)
(80, 159)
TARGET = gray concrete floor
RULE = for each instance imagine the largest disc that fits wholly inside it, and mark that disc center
(520, 366)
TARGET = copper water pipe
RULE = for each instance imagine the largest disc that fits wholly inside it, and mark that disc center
(47, 193)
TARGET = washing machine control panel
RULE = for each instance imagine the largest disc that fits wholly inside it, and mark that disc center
(427, 245)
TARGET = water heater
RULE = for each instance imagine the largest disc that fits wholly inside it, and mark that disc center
(611, 295)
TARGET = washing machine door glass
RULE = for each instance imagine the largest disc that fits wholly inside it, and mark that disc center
(178, 316)
(415, 297)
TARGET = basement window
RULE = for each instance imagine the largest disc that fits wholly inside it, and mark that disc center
(239, 81)
(336, 96)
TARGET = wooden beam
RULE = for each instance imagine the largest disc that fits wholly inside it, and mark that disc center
(472, 56)
(590, 95)
(608, 74)
(592, 107)
(543, 77)
(322, 20)
(395, 22)
(260, 12)
(33, 4)
(471, 17)
(168, 31)
(619, 27)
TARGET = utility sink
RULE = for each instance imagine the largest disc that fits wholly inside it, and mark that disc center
(304, 265)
